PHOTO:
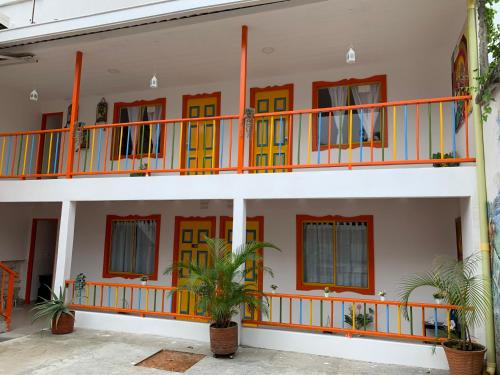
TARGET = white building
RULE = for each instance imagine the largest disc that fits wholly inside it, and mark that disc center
(356, 214)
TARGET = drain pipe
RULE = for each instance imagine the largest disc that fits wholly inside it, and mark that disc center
(481, 184)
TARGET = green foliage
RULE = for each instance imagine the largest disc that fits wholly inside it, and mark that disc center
(362, 319)
(437, 155)
(53, 308)
(80, 282)
(460, 285)
(220, 287)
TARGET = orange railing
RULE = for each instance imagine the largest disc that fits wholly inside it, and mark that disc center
(427, 131)
(134, 299)
(394, 133)
(33, 154)
(187, 146)
(7, 279)
(353, 316)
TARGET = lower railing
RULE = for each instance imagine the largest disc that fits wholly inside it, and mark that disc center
(363, 317)
(134, 299)
(7, 279)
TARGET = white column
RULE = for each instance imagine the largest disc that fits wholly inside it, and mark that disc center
(64, 244)
(239, 238)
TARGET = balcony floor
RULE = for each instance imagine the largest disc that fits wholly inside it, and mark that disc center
(99, 352)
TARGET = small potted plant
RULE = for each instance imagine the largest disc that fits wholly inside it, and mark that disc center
(142, 167)
(326, 292)
(438, 297)
(382, 294)
(459, 285)
(273, 288)
(144, 280)
(62, 319)
(363, 319)
(449, 155)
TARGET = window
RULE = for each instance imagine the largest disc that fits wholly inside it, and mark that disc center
(131, 247)
(139, 140)
(335, 251)
(347, 93)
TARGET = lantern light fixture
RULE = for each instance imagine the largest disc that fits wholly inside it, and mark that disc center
(153, 83)
(350, 57)
(34, 95)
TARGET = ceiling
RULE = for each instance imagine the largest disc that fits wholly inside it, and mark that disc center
(206, 49)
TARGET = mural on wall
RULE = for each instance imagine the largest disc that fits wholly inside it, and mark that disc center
(460, 78)
(494, 221)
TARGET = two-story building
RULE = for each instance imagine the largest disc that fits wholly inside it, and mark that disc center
(338, 130)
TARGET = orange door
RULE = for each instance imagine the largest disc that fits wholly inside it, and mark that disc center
(253, 275)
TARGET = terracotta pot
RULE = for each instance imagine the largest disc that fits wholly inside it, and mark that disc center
(224, 341)
(463, 362)
(64, 325)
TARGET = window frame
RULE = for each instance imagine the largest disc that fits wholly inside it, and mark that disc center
(117, 107)
(317, 85)
(106, 272)
(301, 285)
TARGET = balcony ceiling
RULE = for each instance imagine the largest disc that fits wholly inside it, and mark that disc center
(206, 50)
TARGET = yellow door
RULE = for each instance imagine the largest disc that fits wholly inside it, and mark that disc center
(270, 138)
(201, 146)
(253, 276)
(190, 247)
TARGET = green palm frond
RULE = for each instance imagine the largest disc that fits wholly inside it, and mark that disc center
(219, 287)
(52, 308)
(461, 285)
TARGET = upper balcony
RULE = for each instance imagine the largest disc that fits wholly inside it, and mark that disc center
(394, 107)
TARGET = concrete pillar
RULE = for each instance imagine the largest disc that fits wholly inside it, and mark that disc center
(64, 244)
(239, 238)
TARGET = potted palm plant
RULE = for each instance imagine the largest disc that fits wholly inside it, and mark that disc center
(458, 285)
(220, 289)
(61, 318)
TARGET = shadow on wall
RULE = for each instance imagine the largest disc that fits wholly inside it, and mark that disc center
(494, 229)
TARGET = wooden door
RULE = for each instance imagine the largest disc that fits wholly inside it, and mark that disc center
(201, 145)
(271, 136)
(253, 276)
(190, 247)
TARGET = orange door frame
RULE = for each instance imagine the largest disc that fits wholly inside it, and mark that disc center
(31, 257)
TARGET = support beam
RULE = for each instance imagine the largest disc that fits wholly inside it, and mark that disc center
(484, 246)
(75, 99)
(64, 244)
(243, 98)
(239, 238)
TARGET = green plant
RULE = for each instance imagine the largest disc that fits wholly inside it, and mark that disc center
(438, 295)
(144, 278)
(460, 286)
(363, 319)
(219, 287)
(52, 309)
(80, 282)
(142, 167)
(437, 155)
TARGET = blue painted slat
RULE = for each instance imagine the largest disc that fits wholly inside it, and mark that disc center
(188, 157)
(99, 144)
(221, 142)
(281, 140)
(139, 299)
(31, 153)
(129, 138)
(387, 318)
(57, 153)
(301, 311)
(8, 156)
(406, 132)
(361, 136)
(157, 143)
(318, 152)
(109, 296)
(453, 122)
(343, 314)
(436, 321)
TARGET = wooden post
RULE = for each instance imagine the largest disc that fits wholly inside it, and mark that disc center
(74, 113)
(243, 97)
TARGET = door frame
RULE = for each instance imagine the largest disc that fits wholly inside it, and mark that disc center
(175, 255)
(31, 256)
(185, 99)
(260, 238)
(41, 146)
(253, 93)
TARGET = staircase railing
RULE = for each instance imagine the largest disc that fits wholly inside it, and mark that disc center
(7, 279)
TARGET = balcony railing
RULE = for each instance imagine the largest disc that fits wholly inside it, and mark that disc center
(7, 279)
(383, 134)
(347, 316)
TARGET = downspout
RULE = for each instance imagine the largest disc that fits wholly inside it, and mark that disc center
(481, 184)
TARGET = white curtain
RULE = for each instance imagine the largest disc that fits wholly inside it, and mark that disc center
(338, 97)
(133, 116)
(351, 254)
(318, 253)
(154, 113)
(133, 246)
(122, 246)
(366, 94)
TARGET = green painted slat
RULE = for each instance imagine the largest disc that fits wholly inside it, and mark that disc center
(430, 129)
(300, 138)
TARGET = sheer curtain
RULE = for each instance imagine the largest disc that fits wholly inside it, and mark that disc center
(366, 94)
(122, 246)
(338, 97)
(318, 252)
(133, 116)
(154, 113)
(351, 254)
(133, 246)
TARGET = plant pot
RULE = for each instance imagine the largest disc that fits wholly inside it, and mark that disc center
(144, 283)
(463, 362)
(382, 298)
(224, 341)
(64, 325)
(437, 301)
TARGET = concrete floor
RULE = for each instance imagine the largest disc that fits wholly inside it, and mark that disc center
(99, 352)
